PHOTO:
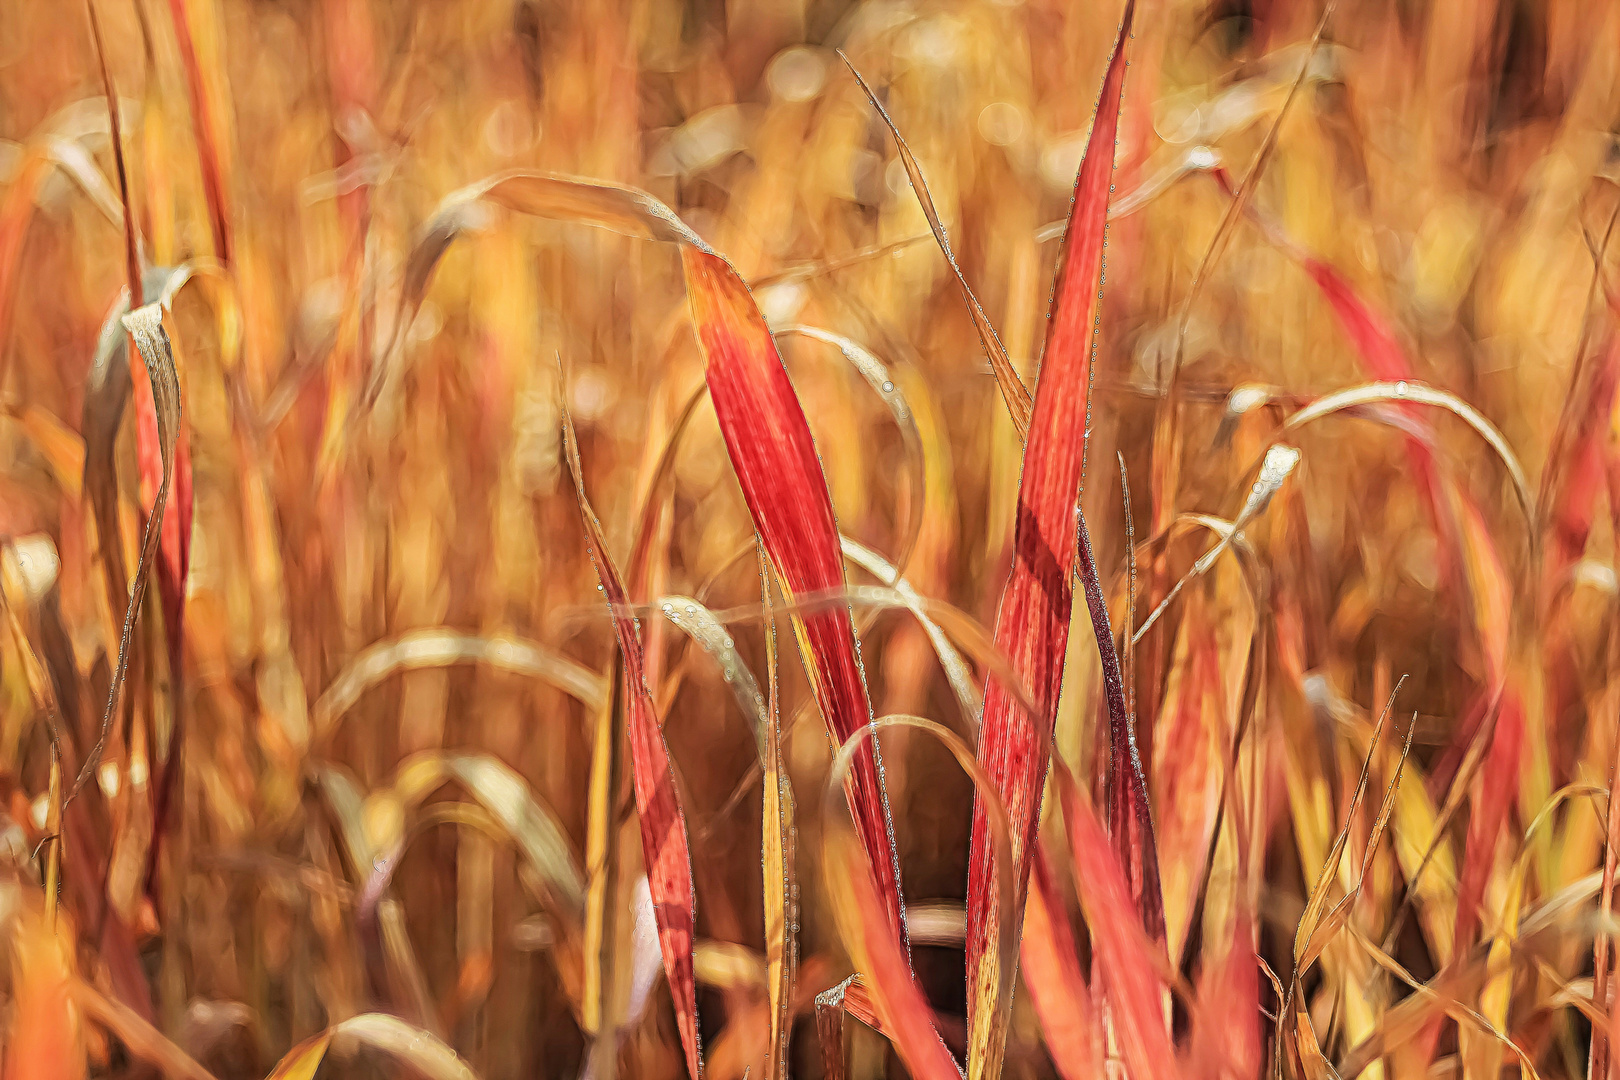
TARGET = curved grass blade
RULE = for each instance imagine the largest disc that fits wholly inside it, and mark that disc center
(957, 672)
(106, 396)
(1279, 463)
(1032, 625)
(145, 326)
(1406, 390)
(766, 436)
(440, 647)
(51, 150)
(700, 624)
(775, 460)
(531, 825)
(423, 1051)
(663, 824)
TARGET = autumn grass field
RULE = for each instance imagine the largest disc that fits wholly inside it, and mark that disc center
(539, 538)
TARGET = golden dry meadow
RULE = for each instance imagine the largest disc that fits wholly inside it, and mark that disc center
(540, 538)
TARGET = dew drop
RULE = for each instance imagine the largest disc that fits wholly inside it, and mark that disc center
(888, 387)
(1400, 389)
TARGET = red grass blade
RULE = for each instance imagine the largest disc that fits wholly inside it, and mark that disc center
(663, 825)
(1226, 1027)
(769, 441)
(1575, 479)
(766, 436)
(1496, 791)
(1032, 626)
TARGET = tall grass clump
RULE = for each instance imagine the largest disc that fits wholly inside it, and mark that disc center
(796, 538)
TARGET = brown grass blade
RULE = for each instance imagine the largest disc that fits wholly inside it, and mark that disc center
(145, 326)
(830, 1012)
(663, 824)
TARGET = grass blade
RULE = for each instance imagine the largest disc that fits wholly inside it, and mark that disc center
(1051, 967)
(1122, 947)
(777, 860)
(765, 432)
(885, 973)
(1033, 622)
(145, 326)
(44, 1040)
(1013, 390)
(663, 825)
(437, 647)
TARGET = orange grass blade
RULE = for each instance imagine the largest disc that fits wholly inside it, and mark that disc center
(1057, 988)
(1124, 953)
(196, 33)
(1032, 626)
(663, 825)
(1226, 1026)
(766, 435)
(44, 1042)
